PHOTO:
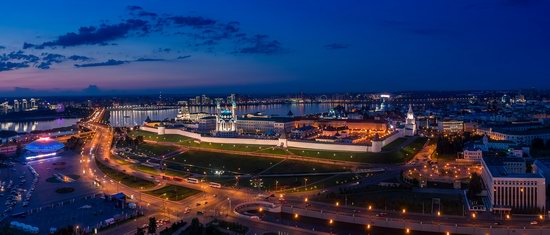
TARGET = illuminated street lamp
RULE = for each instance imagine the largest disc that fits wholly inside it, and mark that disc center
(404, 211)
(370, 207)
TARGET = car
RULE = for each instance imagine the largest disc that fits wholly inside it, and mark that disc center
(497, 223)
(255, 217)
(534, 222)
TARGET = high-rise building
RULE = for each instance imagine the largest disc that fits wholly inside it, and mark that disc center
(25, 105)
(5, 107)
(16, 106)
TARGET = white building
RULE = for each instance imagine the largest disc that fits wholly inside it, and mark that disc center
(472, 154)
(517, 136)
(451, 126)
(410, 123)
(509, 185)
(226, 119)
(5, 107)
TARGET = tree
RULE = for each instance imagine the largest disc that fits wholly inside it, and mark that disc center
(537, 143)
(475, 186)
(195, 227)
(152, 229)
(140, 231)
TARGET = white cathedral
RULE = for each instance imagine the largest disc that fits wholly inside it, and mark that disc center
(226, 119)
(410, 123)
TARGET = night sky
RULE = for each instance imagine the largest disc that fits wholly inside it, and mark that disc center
(100, 47)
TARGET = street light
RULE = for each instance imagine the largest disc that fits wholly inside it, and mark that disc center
(408, 230)
(370, 207)
(404, 211)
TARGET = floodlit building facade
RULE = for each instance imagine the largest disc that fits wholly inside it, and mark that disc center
(509, 185)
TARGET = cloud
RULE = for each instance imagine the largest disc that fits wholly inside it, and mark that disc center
(260, 44)
(19, 56)
(149, 60)
(17, 60)
(134, 8)
(92, 35)
(183, 57)
(48, 59)
(2, 47)
(7, 66)
(191, 21)
(79, 58)
(336, 46)
(110, 62)
(91, 89)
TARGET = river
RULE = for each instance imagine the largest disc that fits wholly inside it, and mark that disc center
(136, 117)
(28, 126)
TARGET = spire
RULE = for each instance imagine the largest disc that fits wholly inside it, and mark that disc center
(410, 109)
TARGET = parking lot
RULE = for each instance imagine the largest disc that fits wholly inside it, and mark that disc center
(87, 212)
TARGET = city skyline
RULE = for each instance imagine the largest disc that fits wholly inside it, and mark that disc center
(145, 48)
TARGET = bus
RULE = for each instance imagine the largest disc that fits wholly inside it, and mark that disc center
(215, 185)
(192, 180)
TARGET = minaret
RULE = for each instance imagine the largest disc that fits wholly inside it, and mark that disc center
(234, 110)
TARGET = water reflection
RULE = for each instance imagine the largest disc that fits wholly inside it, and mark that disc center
(28, 126)
(136, 117)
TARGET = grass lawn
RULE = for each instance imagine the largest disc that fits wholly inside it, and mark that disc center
(397, 156)
(128, 180)
(294, 183)
(186, 141)
(273, 150)
(173, 192)
(154, 149)
(393, 199)
(154, 171)
(394, 144)
(201, 161)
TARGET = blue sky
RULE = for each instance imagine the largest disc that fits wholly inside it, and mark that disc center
(275, 46)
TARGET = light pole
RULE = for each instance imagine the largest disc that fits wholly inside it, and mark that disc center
(229, 200)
